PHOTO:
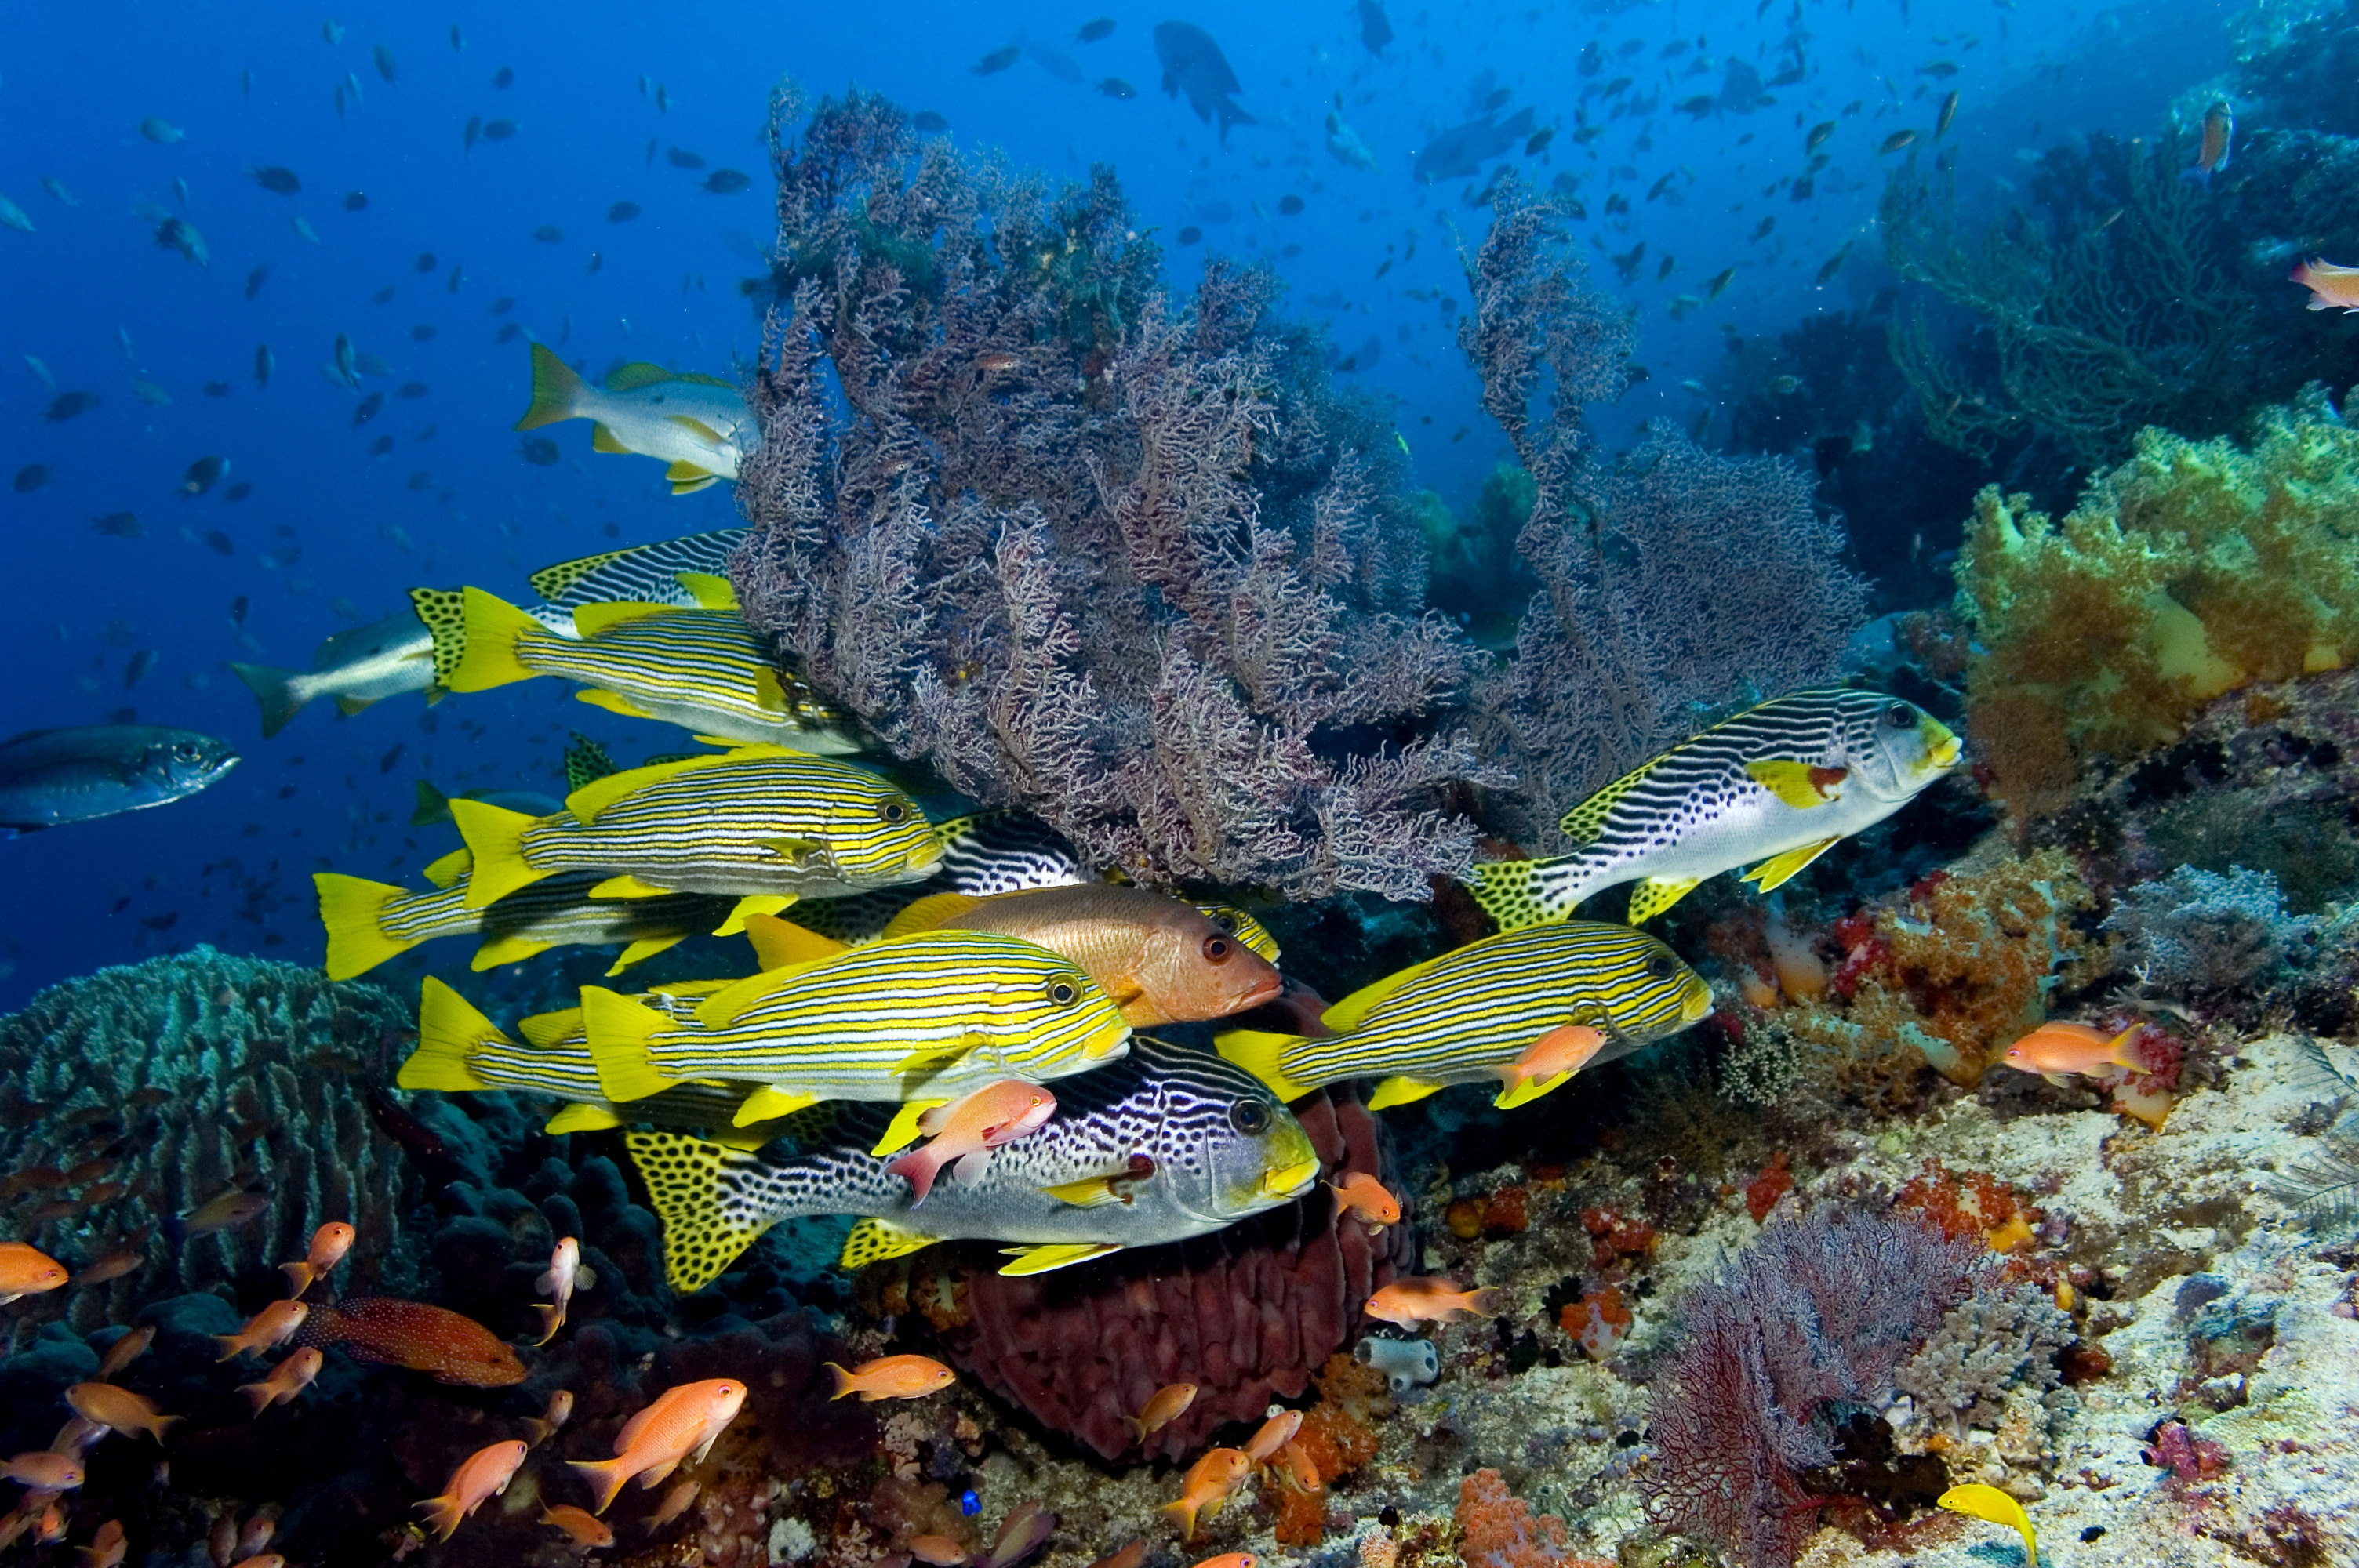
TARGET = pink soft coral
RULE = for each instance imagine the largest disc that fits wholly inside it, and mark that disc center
(1496, 1529)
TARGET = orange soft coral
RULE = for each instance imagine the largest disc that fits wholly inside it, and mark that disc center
(1496, 1529)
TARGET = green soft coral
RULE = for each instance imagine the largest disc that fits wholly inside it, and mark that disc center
(2191, 569)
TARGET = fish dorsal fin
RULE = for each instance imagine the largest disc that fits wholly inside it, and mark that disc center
(1352, 1010)
(709, 590)
(602, 439)
(723, 1006)
(1779, 870)
(583, 1119)
(443, 612)
(1584, 822)
(707, 1220)
(638, 374)
(691, 423)
(1804, 787)
(1054, 1254)
(931, 912)
(586, 762)
(551, 582)
(596, 796)
(1651, 897)
(903, 1129)
(874, 1240)
(697, 378)
(592, 619)
(781, 944)
(445, 870)
(544, 1029)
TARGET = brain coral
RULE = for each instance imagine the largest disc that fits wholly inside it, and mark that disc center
(131, 1097)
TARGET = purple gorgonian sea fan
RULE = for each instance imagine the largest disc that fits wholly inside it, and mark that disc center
(1129, 562)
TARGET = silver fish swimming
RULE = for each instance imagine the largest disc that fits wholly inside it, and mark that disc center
(355, 668)
(699, 425)
(51, 777)
(1167, 1145)
(1775, 786)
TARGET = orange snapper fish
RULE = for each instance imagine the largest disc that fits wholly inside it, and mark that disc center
(484, 1473)
(1433, 1299)
(286, 1381)
(24, 1271)
(965, 1132)
(891, 1378)
(328, 1245)
(1129, 1556)
(681, 1424)
(391, 1332)
(2212, 155)
(565, 1273)
(270, 1326)
(2057, 1049)
(2332, 288)
(1209, 1481)
(1361, 1193)
(118, 1409)
(1163, 1407)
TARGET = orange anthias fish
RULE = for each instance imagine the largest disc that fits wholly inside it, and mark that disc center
(561, 1411)
(484, 1473)
(2219, 132)
(586, 1528)
(1549, 1061)
(1163, 1407)
(118, 1409)
(328, 1245)
(43, 1471)
(2056, 1048)
(891, 1378)
(107, 1546)
(965, 1132)
(1300, 1468)
(1361, 1193)
(124, 1351)
(286, 1381)
(1433, 1299)
(2332, 288)
(1129, 1556)
(565, 1273)
(681, 1424)
(231, 1209)
(1209, 1481)
(265, 1328)
(23, 1271)
(1274, 1433)
(939, 1550)
(455, 1348)
(1229, 1560)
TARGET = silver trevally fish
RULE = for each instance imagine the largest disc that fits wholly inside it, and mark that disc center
(49, 777)
(364, 665)
(1777, 785)
(1168, 1144)
(698, 424)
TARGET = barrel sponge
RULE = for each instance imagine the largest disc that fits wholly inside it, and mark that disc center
(2195, 567)
(199, 1074)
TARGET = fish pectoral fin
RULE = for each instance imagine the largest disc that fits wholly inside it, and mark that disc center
(697, 428)
(795, 849)
(874, 1240)
(768, 1103)
(1800, 785)
(628, 887)
(1779, 870)
(934, 1058)
(1401, 1089)
(612, 701)
(1090, 1191)
(757, 904)
(1054, 1254)
(583, 1119)
(602, 439)
(709, 590)
(1655, 894)
(903, 1131)
(690, 486)
(641, 950)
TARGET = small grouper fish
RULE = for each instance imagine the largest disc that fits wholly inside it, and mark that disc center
(1170, 1143)
(368, 923)
(1525, 1007)
(703, 670)
(1775, 786)
(699, 425)
(51, 777)
(765, 824)
(929, 1015)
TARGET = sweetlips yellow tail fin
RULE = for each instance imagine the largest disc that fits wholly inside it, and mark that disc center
(706, 1222)
(1258, 1052)
(353, 909)
(1510, 894)
(275, 690)
(448, 1025)
(495, 836)
(494, 628)
(432, 806)
(447, 869)
(620, 1032)
(556, 390)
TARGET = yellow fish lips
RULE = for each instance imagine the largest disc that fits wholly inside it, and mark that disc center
(1696, 1005)
(1946, 750)
(1290, 1180)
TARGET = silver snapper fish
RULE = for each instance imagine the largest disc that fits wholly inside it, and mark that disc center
(1778, 784)
(1165, 1144)
(50, 777)
(699, 425)
(364, 665)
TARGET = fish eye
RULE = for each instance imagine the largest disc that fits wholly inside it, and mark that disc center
(894, 811)
(1250, 1116)
(1901, 716)
(1061, 993)
(1661, 967)
(1217, 949)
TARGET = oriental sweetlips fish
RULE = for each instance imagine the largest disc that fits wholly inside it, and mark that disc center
(935, 1014)
(764, 822)
(51, 777)
(697, 424)
(1167, 1144)
(1778, 784)
(1526, 1008)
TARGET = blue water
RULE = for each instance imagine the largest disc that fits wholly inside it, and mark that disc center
(232, 867)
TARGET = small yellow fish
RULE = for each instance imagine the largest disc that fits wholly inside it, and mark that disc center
(1978, 1502)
